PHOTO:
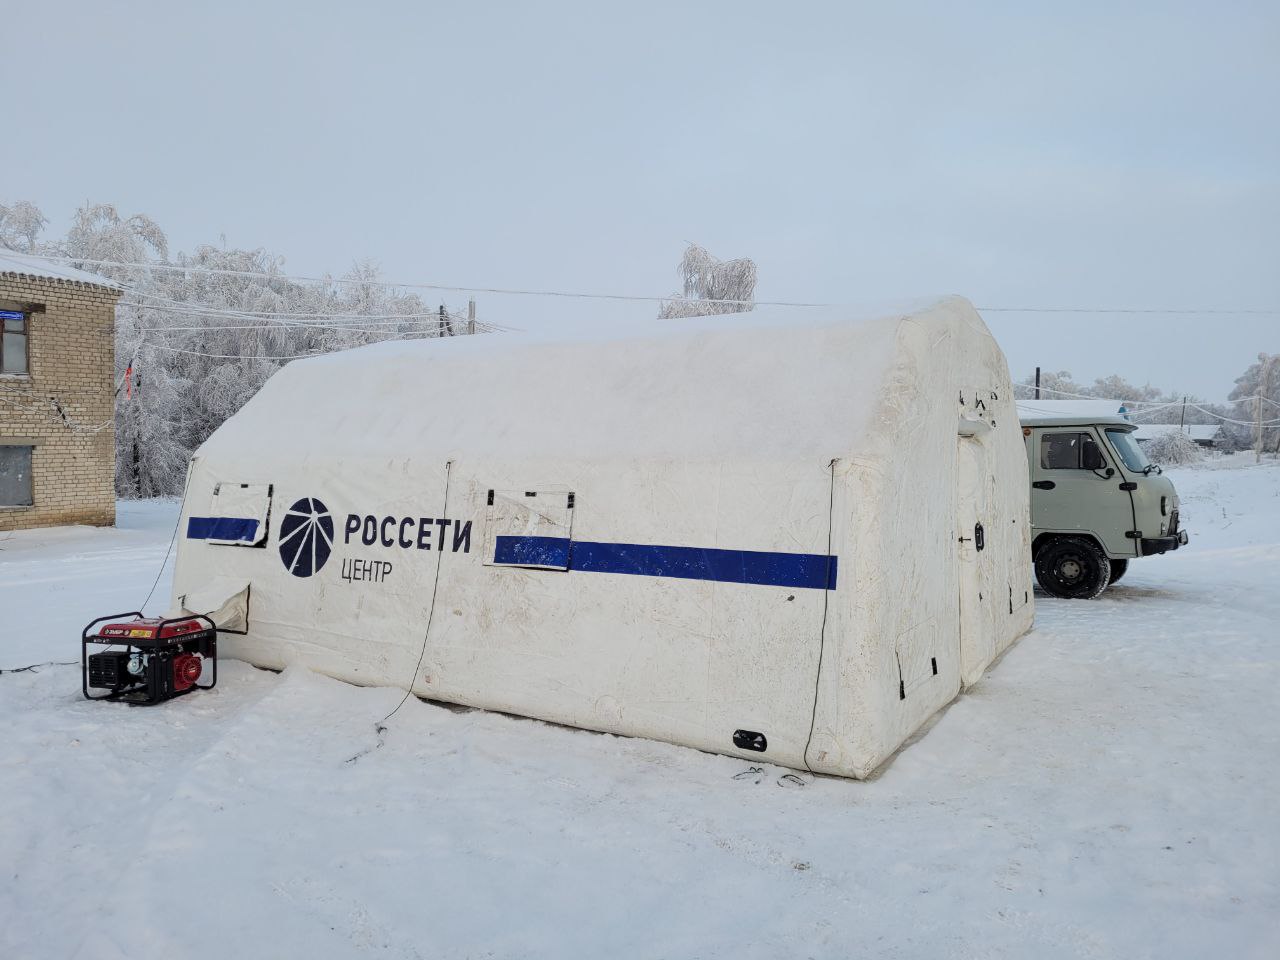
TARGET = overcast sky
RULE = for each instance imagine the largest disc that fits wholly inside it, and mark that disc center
(1020, 154)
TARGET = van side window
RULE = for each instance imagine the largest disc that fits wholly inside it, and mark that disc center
(1065, 451)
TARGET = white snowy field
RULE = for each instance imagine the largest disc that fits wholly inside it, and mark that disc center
(1110, 789)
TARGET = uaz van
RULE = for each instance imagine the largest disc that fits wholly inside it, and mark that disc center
(1097, 502)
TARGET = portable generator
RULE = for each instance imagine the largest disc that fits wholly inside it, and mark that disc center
(148, 659)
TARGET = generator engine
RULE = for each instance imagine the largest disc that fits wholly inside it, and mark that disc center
(148, 659)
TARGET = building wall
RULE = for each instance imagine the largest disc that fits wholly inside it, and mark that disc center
(65, 404)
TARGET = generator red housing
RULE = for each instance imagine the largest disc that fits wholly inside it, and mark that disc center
(148, 659)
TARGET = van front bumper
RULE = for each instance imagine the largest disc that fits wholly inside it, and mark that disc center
(1164, 544)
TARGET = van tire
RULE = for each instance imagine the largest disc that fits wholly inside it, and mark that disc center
(1118, 568)
(1072, 568)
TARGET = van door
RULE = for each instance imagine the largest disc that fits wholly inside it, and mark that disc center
(1068, 497)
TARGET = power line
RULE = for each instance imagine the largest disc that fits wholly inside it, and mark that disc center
(511, 291)
(236, 356)
(1178, 311)
(448, 288)
(1090, 396)
(425, 332)
(376, 326)
(1243, 423)
(35, 404)
(301, 320)
(176, 306)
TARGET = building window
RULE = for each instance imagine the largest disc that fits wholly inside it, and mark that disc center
(15, 476)
(14, 326)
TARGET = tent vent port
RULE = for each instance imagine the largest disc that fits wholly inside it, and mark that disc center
(750, 740)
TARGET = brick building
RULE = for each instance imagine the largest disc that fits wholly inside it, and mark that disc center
(57, 396)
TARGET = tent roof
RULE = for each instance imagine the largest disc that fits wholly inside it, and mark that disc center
(13, 264)
(770, 383)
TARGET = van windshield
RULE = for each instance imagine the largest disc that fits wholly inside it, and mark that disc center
(1129, 450)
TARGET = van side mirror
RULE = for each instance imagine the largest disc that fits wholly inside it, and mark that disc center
(1091, 456)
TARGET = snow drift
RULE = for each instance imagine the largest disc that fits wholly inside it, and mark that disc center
(789, 534)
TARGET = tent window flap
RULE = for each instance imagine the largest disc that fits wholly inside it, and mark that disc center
(238, 516)
(528, 528)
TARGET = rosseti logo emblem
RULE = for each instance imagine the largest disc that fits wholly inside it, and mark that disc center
(306, 537)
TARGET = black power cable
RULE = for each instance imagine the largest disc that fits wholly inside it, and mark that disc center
(380, 727)
(172, 540)
(826, 602)
(35, 667)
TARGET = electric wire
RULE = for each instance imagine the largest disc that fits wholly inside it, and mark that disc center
(173, 539)
(1090, 396)
(284, 320)
(1243, 423)
(273, 314)
(235, 356)
(1154, 311)
(448, 288)
(36, 404)
(514, 291)
(35, 667)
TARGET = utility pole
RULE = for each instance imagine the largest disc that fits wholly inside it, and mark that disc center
(471, 315)
(1265, 362)
(1037, 383)
(1182, 424)
(1257, 424)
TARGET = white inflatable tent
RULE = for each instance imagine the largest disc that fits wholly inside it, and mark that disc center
(787, 534)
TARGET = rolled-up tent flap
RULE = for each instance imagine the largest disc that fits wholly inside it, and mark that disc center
(225, 600)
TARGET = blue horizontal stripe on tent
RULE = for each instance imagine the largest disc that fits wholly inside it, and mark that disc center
(814, 571)
(222, 528)
(532, 551)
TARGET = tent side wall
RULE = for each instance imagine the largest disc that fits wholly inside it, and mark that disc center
(685, 659)
(667, 657)
(646, 650)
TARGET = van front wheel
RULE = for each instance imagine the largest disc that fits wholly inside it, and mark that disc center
(1073, 568)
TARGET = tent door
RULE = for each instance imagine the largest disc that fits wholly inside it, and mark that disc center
(976, 557)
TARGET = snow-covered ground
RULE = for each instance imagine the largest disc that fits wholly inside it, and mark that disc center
(1110, 789)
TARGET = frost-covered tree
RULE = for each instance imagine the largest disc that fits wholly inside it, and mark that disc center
(199, 334)
(1121, 389)
(706, 279)
(1173, 449)
(1259, 379)
(1062, 384)
(21, 224)
(100, 233)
